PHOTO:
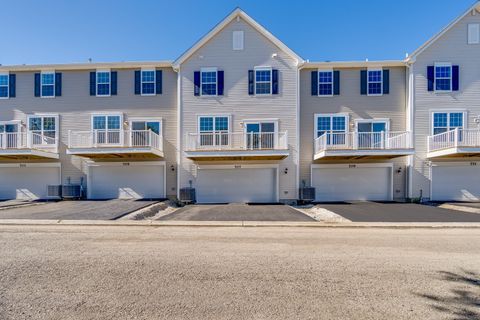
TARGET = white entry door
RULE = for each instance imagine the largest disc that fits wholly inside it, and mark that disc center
(126, 180)
(241, 185)
(456, 181)
(371, 182)
(27, 181)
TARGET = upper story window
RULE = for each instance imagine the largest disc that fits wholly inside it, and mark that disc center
(103, 83)
(208, 78)
(443, 77)
(263, 80)
(325, 83)
(213, 130)
(43, 128)
(446, 121)
(47, 80)
(148, 82)
(4, 89)
(334, 126)
(375, 82)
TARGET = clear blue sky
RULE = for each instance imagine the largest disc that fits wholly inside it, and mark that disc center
(63, 31)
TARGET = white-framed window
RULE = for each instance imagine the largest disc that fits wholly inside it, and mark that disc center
(148, 82)
(238, 37)
(263, 80)
(107, 129)
(154, 125)
(4, 86)
(208, 81)
(371, 133)
(213, 130)
(335, 126)
(261, 134)
(103, 82)
(374, 82)
(443, 77)
(443, 121)
(142, 129)
(44, 128)
(473, 33)
(325, 83)
(47, 84)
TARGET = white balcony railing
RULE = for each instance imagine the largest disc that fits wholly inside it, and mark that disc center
(114, 138)
(28, 140)
(363, 141)
(469, 138)
(220, 141)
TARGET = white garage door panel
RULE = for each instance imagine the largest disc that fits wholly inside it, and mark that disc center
(127, 182)
(458, 183)
(360, 183)
(236, 185)
(28, 183)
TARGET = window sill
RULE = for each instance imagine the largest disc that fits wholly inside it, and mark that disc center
(325, 95)
(103, 95)
(374, 95)
(47, 97)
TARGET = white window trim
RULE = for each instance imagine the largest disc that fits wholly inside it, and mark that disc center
(442, 64)
(93, 115)
(318, 82)
(262, 68)
(215, 116)
(375, 120)
(209, 69)
(109, 83)
(8, 84)
(448, 112)
(52, 72)
(141, 82)
(45, 115)
(159, 120)
(341, 114)
(368, 82)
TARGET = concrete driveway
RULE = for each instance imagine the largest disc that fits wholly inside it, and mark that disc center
(75, 210)
(398, 212)
(237, 212)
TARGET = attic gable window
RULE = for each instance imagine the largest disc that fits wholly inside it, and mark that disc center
(473, 33)
(238, 37)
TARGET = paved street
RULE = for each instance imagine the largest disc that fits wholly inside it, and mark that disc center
(73, 272)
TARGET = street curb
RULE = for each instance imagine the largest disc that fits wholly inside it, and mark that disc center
(241, 224)
(460, 208)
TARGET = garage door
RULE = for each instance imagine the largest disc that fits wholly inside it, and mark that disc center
(27, 182)
(352, 182)
(126, 181)
(239, 185)
(458, 182)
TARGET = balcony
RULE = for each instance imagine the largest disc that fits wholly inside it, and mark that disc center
(454, 143)
(237, 145)
(27, 145)
(115, 144)
(363, 145)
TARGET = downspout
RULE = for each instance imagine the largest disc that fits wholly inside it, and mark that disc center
(410, 96)
(300, 66)
(179, 126)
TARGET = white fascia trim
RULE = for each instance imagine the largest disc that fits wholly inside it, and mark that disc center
(354, 64)
(358, 165)
(88, 66)
(119, 164)
(31, 165)
(220, 26)
(235, 166)
(423, 47)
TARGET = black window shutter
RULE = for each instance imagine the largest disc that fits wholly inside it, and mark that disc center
(158, 81)
(11, 84)
(58, 84)
(336, 82)
(363, 82)
(93, 83)
(220, 83)
(251, 82)
(137, 82)
(196, 82)
(274, 81)
(455, 78)
(430, 77)
(37, 85)
(315, 83)
(113, 83)
(386, 81)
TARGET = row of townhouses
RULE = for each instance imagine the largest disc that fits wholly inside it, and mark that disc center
(240, 117)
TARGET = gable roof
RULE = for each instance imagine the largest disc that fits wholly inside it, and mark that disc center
(411, 58)
(219, 27)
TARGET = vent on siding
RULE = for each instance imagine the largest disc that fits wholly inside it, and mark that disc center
(238, 40)
(474, 33)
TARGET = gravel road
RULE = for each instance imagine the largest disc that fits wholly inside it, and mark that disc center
(60, 272)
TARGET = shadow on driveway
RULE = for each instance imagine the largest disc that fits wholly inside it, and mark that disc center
(397, 212)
